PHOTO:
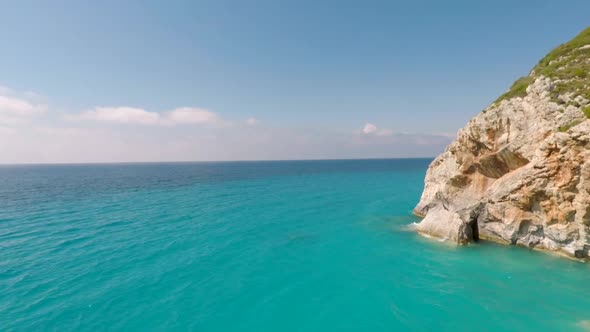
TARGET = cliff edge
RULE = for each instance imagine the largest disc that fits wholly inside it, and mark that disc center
(519, 172)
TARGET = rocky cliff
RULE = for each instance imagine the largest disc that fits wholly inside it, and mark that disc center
(519, 172)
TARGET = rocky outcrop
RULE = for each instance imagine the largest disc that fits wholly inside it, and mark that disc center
(519, 172)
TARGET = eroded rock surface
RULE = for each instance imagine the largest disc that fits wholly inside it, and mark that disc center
(518, 173)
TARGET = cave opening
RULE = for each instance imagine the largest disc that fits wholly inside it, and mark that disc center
(474, 229)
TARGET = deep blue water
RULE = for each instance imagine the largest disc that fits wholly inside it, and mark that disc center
(258, 246)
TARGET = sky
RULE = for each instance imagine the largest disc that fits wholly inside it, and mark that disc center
(131, 81)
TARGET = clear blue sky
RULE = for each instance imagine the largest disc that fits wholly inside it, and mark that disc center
(260, 77)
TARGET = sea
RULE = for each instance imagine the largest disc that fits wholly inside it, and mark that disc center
(259, 246)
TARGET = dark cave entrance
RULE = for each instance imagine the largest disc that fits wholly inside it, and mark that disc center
(474, 229)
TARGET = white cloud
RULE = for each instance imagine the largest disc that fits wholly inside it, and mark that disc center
(189, 115)
(27, 137)
(19, 107)
(132, 115)
(55, 142)
(15, 110)
(123, 114)
(371, 130)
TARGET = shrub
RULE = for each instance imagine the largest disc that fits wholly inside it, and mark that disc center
(569, 125)
(550, 62)
(568, 63)
(568, 66)
(518, 89)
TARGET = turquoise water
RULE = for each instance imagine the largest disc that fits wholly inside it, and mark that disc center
(258, 246)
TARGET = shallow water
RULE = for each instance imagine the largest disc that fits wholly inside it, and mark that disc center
(258, 246)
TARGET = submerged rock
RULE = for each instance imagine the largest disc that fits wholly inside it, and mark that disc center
(519, 172)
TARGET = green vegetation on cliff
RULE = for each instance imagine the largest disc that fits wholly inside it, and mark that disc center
(568, 66)
(518, 88)
(569, 125)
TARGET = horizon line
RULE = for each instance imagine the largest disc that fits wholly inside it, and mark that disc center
(204, 161)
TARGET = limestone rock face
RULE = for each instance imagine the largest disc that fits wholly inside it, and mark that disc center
(517, 173)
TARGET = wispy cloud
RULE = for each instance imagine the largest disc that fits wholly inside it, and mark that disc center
(190, 115)
(125, 115)
(139, 116)
(371, 130)
(126, 133)
(15, 109)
